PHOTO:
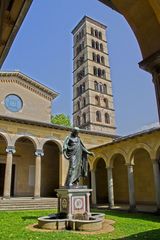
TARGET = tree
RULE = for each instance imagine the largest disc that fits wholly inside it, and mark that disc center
(61, 119)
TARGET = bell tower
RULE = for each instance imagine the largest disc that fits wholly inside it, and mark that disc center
(93, 107)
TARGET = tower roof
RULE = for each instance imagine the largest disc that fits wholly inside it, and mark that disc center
(89, 19)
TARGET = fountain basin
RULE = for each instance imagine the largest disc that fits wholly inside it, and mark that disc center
(98, 215)
(52, 224)
(94, 223)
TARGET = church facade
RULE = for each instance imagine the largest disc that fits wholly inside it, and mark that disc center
(31, 160)
(124, 169)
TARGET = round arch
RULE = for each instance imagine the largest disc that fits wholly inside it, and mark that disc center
(6, 137)
(95, 161)
(117, 151)
(138, 13)
(136, 147)
(50, 167)
(145, 192)
(141, 15)
(24, 165)
(120, 176)
(30, 138)
(59, 143)
(101, 179)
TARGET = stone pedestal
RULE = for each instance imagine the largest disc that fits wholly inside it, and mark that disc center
(73, 212)
(74, 202)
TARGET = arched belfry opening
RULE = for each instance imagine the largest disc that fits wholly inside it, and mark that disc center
(3, 155)
(50, 167)
(24, 162)
(101, 182)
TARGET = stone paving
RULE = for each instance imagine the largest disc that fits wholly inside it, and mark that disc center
(125, 207)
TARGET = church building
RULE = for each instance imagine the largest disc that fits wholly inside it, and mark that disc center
(125, 170)
(31, 159)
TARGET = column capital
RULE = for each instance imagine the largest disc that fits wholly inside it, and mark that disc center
(157, 182)
(39, 152)
(10, 149)
(152, 63)
(88, 194)
(109, 167)
(129, 164)
(93, 169)
(155, 160)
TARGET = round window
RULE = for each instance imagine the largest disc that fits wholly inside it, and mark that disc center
(13, 103)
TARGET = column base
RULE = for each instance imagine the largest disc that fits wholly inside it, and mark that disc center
(132, 209)
(36, 197)
(157, 212)
(6, 197)
(111, 207)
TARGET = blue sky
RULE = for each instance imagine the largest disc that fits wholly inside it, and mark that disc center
(43, 51)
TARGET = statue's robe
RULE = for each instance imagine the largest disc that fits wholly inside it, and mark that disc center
(76, 153)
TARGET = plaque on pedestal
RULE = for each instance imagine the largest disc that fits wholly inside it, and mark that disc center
(74, 202)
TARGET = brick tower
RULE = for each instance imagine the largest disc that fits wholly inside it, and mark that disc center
(93, 107)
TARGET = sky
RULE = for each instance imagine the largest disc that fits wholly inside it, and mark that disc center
(43, 50)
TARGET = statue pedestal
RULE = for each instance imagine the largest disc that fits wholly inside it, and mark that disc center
(74, 202)
(73, 212)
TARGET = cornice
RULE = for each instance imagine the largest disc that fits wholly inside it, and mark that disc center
(29, 84)
(89, 19)
(53, 126)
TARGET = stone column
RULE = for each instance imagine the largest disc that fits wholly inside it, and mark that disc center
(132, 201)
(8, 172)
(110, 187)
(93, 186)
(37, 188)
(157, 183)
(152, 65)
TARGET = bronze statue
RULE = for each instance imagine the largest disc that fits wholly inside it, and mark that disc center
(76, 153)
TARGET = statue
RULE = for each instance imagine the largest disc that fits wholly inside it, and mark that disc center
(76, 153)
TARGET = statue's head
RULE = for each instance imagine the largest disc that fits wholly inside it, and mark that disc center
(75, 131)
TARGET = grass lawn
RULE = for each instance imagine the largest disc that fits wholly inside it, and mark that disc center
(128, 226)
